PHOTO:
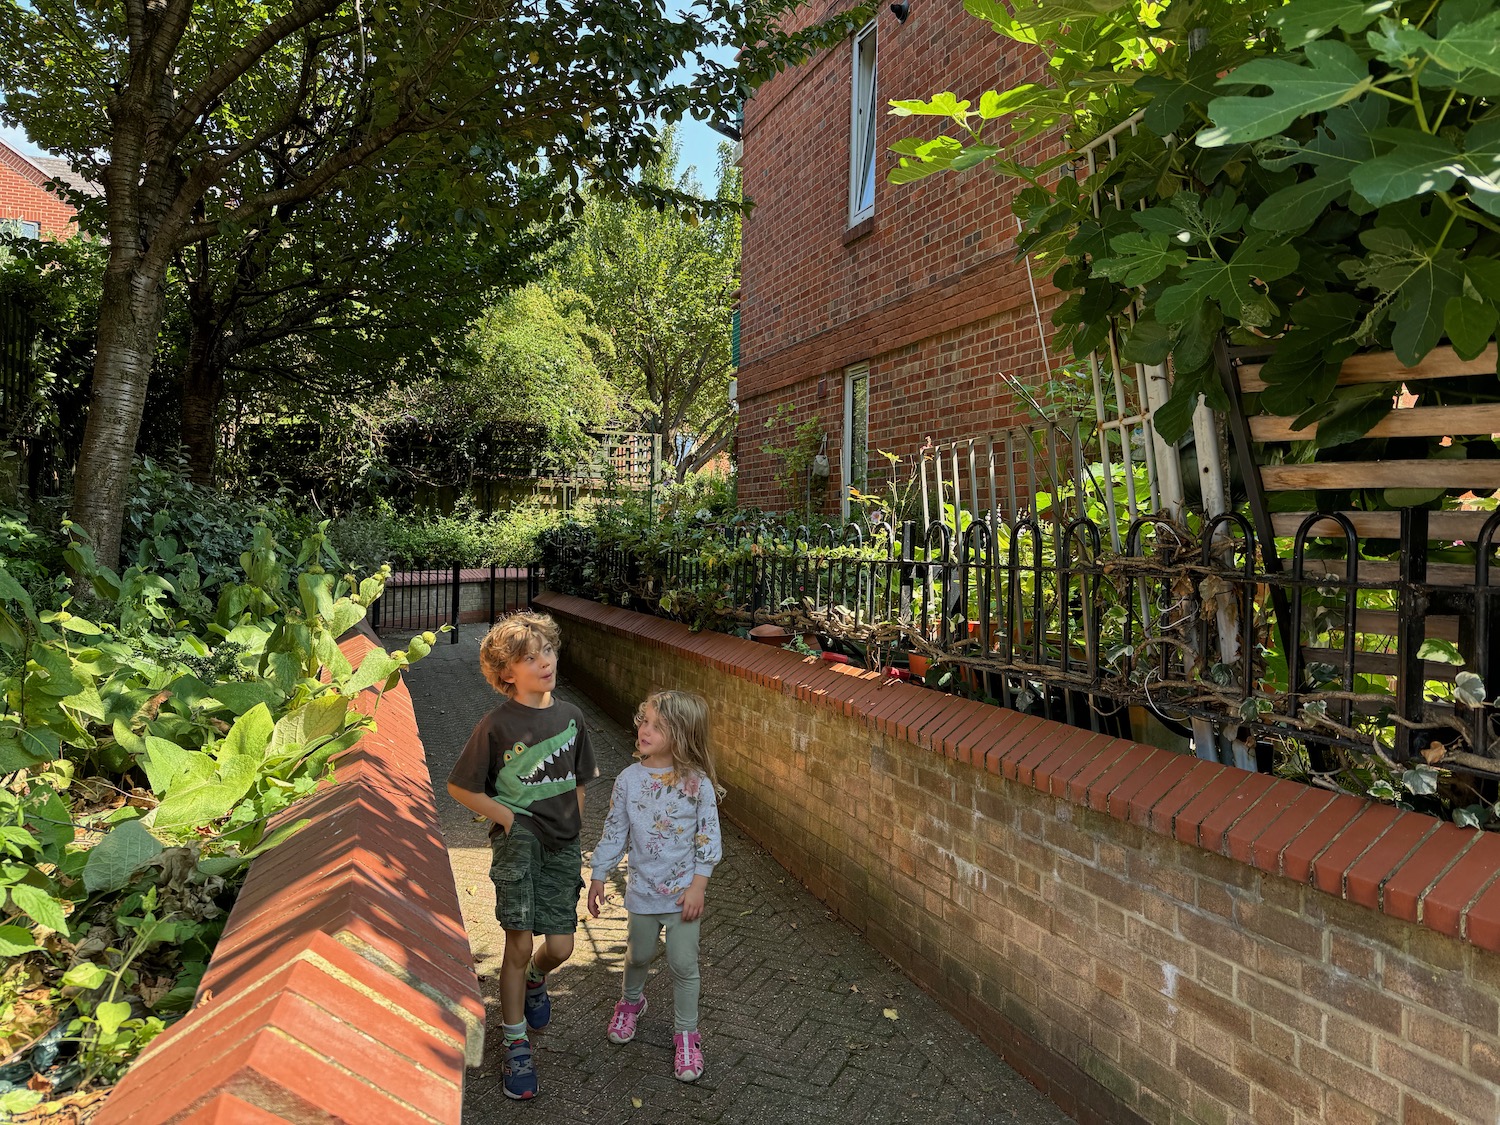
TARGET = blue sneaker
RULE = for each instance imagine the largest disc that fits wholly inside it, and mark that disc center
(518, 1075)
(538, 1005)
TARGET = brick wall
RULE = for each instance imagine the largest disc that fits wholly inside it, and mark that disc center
(930, 296)
(23, 197)
(342, 989)
(1143, 935)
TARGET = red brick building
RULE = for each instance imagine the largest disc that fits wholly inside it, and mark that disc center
(888, 312)
(27, 204)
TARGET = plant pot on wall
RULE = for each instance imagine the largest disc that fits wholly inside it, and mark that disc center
(918, 665)
(781, 637)
(770, 635)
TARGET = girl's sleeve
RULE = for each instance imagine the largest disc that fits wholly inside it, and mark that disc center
(708, 847)
(611, 846)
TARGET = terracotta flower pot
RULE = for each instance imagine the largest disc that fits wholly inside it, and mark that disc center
(770, 635)
(918, 665)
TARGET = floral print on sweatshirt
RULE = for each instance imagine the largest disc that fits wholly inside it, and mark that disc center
(669, 823)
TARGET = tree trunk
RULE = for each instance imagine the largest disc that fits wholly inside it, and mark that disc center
(130, 314)
(202, 391)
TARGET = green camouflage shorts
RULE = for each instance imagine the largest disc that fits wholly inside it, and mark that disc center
(535, 890)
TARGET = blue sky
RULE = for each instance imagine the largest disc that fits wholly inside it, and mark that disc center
(700, 149)
(17, 140)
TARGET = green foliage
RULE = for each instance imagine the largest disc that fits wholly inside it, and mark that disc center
(518, 404)
(1322, 174)
(536, 364)
(151, 732)
(56, 285)
(662, 284)
(232, 117)
(791, 447)
(168, 518)
(370, 538)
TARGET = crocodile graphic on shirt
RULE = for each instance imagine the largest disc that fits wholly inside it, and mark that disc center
(521, 779)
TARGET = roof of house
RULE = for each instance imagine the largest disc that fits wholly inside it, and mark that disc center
(56, 168)
(47, 168)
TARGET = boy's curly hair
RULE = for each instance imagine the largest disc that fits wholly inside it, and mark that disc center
(511, 640)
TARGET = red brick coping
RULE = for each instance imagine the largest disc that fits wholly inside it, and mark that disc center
(343, 987)
(1403, 864)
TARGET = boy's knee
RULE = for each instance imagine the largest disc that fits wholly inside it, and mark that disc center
(517, 947)
(559, 946)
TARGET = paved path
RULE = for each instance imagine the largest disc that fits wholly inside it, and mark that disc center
(794, 1001)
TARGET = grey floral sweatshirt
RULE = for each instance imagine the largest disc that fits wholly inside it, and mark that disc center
(669, 823)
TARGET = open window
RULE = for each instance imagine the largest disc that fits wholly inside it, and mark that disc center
(862, 128)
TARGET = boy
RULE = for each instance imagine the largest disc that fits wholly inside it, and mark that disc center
(525, 768)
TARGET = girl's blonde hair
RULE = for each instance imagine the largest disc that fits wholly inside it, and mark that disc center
(684, 714)
(514, 639)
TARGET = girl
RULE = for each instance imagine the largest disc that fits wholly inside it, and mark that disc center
(664, 812)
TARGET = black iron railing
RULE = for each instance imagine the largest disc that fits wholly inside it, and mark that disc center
(427, 598)
(1386, 658)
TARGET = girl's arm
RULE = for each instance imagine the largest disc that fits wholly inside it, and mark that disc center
(708, 849)
(611, 846)
(708, 845)
(691, 900)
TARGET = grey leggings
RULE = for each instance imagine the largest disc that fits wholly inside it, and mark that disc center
(682, 961)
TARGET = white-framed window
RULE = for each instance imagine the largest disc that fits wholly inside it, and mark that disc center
(856, 454)
(24, 227)
(862, 128)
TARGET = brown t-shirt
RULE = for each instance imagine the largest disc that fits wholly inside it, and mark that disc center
(530, 759)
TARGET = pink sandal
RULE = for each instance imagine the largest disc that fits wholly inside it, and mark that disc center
(688, 1060)
(622, 1023)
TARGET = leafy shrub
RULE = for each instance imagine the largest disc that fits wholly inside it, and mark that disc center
(153, 733)
(372, 537)
(714, 493)
(168, 517)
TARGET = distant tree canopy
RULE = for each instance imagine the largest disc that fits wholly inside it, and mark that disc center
(204, 120)
(519, 401)
(662, 283)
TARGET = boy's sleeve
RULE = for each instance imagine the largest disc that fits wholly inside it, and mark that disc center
(472, 770)
(585, 769)
(611, 846)
(708, 846)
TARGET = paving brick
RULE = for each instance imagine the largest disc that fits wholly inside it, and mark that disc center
(763, 982)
